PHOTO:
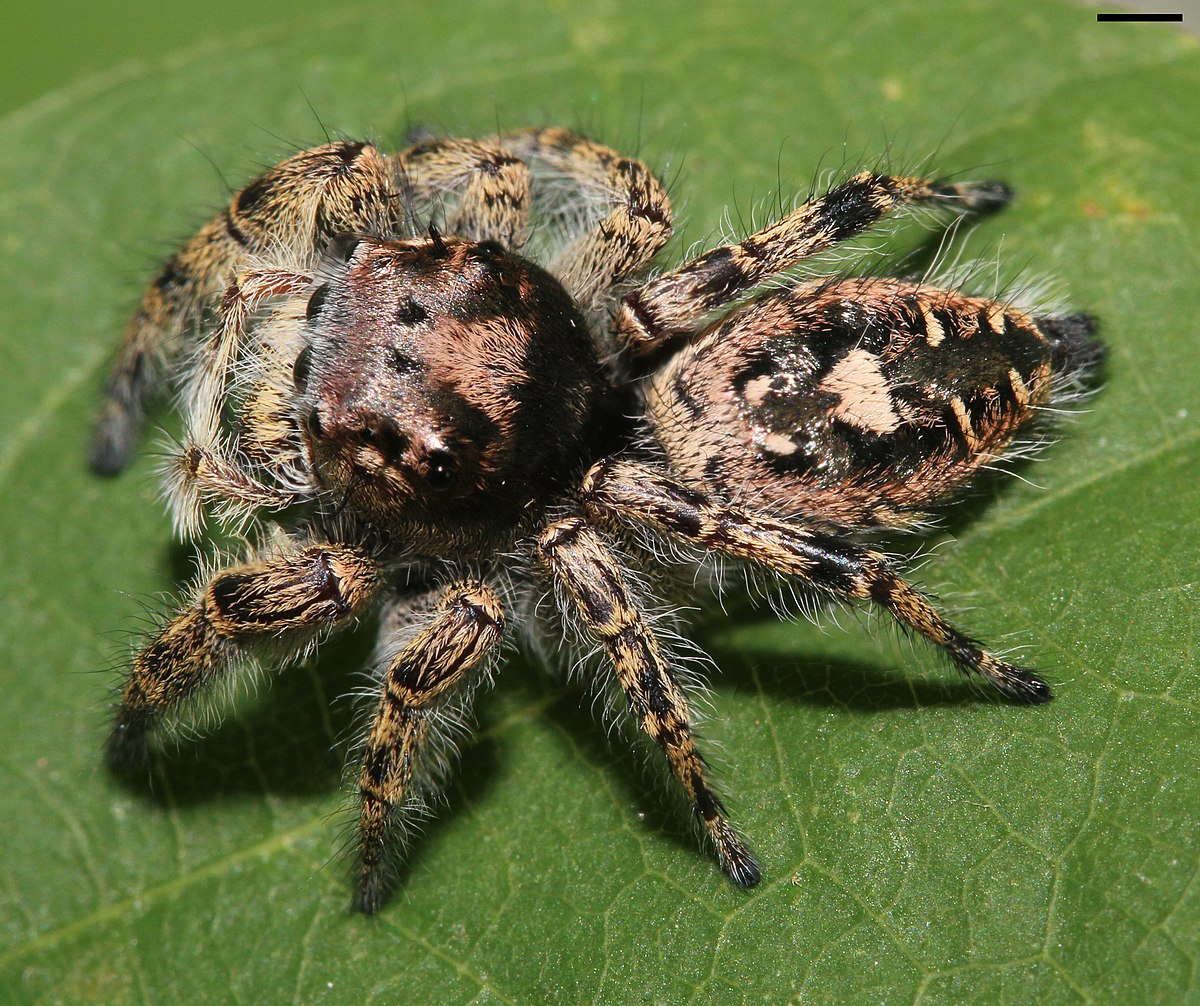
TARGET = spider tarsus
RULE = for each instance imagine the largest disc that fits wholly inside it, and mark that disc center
(112, 444)
(1022, 686)
(1015, 683)
(979, 197)
(738, 862)
(741, 867)
(127, 750)
(370, 893)
(1074, 346)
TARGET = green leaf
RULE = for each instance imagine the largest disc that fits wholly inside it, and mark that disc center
(918, 844)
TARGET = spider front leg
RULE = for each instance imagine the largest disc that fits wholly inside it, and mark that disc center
(285, 598)
(293, 208)
(248, 291)
(591, 576)
(467, 623)
(676, 303)
(637, 213)
(494, 205)
(209, 467)
(832, 564)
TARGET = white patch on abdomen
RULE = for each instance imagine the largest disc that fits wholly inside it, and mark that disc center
(863, 396)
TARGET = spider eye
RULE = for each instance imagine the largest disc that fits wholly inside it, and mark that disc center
(302, 368)
(486, 251)
(316, 302)
(409, 312)
(439, 470)
(385, 437)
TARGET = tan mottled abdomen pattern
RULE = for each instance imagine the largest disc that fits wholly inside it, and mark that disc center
(857, 402)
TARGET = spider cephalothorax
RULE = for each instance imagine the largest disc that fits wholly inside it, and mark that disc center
(417, 390)
(405, 415)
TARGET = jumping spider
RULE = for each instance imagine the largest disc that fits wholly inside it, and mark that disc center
(403, 414)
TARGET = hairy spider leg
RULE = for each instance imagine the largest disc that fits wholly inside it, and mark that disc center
(676, 303)
(467, 623)
(635, 225)
(626, 492)
(591, 577)
(208, 468)
(285, 598)
(495, 187)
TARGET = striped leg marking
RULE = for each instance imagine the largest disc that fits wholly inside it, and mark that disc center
(494, 204)
(467, 623)
(620, 491)
(677, 302)
(591, 576)
(296, 594)
(637, 221)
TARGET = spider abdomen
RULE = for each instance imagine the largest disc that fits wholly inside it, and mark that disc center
(861, 401)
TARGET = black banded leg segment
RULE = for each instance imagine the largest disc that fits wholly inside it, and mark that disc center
(467, 623)
(153, 337)
(299, 593)
(586, 568)
(676, 303)
(625, 492)
(638, 221)
(495, 187)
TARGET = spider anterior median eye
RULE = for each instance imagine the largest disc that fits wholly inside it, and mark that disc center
(302, 368)
(316, 301)
(409, 312)
(440, 470)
